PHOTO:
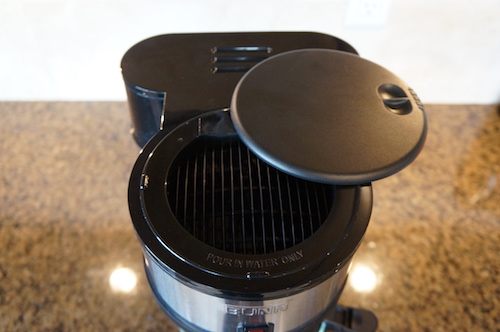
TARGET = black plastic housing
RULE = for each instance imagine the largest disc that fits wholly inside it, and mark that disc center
(185, 257)
(187, 74)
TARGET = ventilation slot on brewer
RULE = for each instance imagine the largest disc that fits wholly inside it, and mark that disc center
(228, 59)
(226, 197)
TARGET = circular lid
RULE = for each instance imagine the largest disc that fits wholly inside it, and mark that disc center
(328, 116)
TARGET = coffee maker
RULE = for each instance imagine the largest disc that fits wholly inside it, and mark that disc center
(253, 190)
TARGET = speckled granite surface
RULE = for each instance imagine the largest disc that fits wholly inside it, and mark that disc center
(433, 241)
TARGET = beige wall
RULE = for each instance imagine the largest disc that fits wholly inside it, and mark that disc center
(447, 50)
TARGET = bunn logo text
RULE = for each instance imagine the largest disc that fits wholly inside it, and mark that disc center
(255, 310)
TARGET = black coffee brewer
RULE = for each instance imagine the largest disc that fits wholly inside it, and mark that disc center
(252, 190)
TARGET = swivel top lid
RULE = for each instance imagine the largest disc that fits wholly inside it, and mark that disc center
(328, 116)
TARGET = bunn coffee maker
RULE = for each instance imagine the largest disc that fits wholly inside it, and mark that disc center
(252, 190)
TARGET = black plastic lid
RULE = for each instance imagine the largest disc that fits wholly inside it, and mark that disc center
(328, 116)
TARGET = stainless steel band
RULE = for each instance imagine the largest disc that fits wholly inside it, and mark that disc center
(215, 314)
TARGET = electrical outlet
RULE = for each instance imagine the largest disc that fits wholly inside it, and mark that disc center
(367, 13)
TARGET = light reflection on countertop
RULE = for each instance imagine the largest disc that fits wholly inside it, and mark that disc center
(123, 280)
(363, 279)
(429, 260)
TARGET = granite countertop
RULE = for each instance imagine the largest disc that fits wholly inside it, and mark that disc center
(433, 243)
